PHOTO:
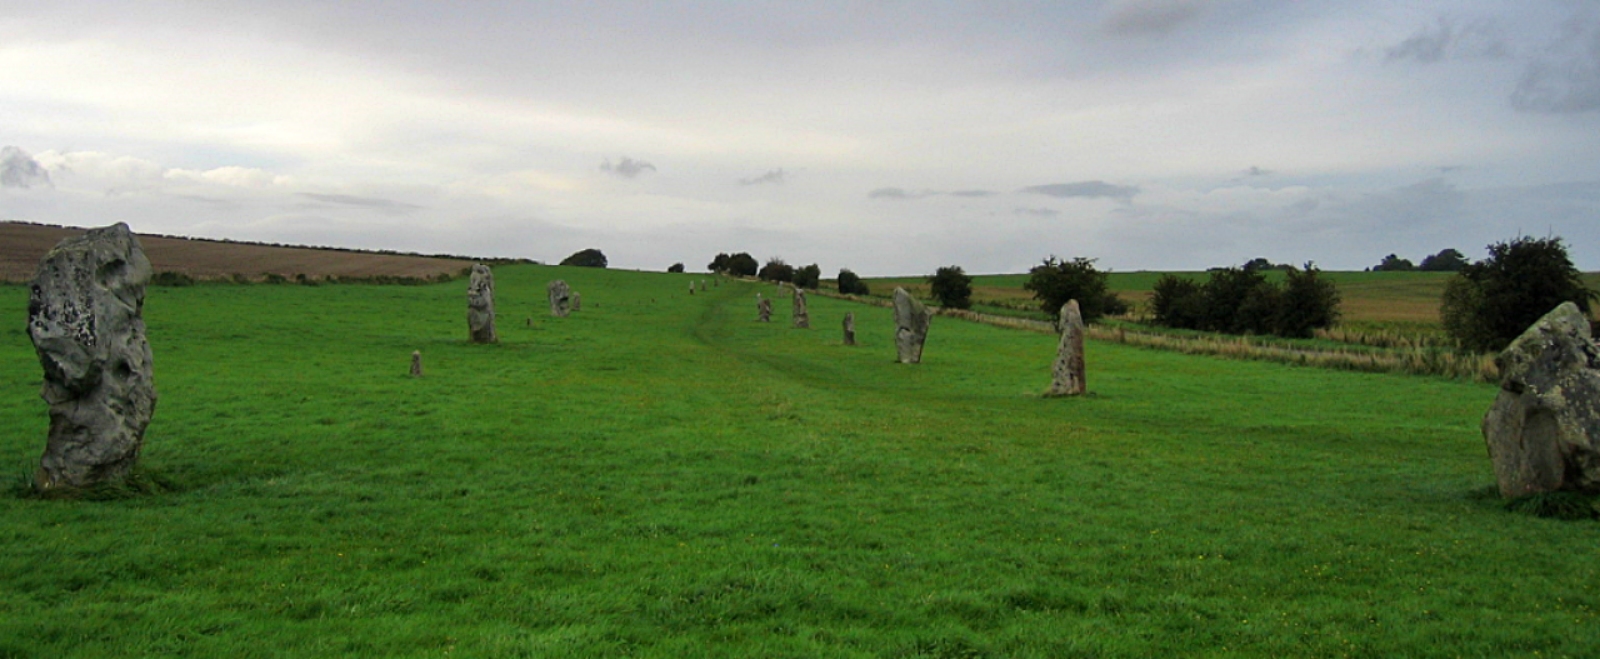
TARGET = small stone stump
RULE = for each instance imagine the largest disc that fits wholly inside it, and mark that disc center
(911, 319)
(416, 363)
(1543, 430)
(560, 299)
(1068, 370)
(480, 305)
(764, 310)
(802, 319)
(702, 286)
(85, 318)
(850, 329)
(577, 301)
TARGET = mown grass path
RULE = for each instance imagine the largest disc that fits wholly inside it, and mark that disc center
(659, 475)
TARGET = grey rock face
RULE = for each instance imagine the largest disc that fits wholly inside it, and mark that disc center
(560, 299)
(480, 305)
(911, 321)
(1068, 371)
(85, 319)
(802, 319)
(1543, 430)
(764, 310)
(850, 329)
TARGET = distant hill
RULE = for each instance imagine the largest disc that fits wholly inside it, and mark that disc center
(22, 245)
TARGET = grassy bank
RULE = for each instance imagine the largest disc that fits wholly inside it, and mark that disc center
(658, 475)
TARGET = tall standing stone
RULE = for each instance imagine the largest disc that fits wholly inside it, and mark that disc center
(911, 321)
(85, 317)
(691, 288)
(560, 299)
(1068, 370)
(702, 286)
(416, 363)
(1543, 430)
(480, 305)
(850, 329)
(764, 310)
(802, 319)
(577, 301)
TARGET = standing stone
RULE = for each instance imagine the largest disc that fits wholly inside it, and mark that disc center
(480, 305)
(577, 301)
(560, 299)
(802, 320)
(764, 310)
(850, 329)
(702, 286)
(911, 321)
(1543, 430)
(416, 363)
(691, 288)
(1068, 370)
(85, 317)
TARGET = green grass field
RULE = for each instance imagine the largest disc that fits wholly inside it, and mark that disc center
(659, 475)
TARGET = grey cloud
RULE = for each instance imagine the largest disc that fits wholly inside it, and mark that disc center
(627, 167)
(1036, 212)
(1428, 45)
(373, 203)
(1257, 171)
(20, 170)
(1148, 17)
(974, 193)
(772, 176)
(1086, 189)
(899, 193)
(1566, 79)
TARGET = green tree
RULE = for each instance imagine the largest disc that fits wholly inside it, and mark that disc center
(1447, 260)
(851, 284)
(588, 258)
(1055, 281)
(1178, 302)
(1491, 302)
(719, 264)
(776, 270)
(1226, 292)
(1308, 303)
(742, 265)
(808, 277)
(1393, 263)
(676, 267)
(952, 287)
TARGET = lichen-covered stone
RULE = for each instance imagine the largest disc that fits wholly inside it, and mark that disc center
(480, 305)
(850, 329)
(85, 317)
(560, 299)
(911, 319)
(1543, 430)
(577, 301)
(764, 310)
(1068, 370)
(416, 363)
(802, 319)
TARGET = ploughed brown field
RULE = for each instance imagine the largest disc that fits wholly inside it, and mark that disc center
(23, 245)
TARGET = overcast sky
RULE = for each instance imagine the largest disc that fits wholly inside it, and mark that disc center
(884, 137)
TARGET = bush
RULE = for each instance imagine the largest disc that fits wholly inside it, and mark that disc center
(1241, 300)
(719, 264)
(676, 267)
(952, 287)
(1309, 302)
(1489, 303)
(808, 277)
(850, 284)
(739, 265)
(1054, 282)
(171, 278)
(1392, 263)
(1447, 260)
(1178, 302)
(776, 270)
(588, 258)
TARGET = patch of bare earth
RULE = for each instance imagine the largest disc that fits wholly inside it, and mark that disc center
(23, 245)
